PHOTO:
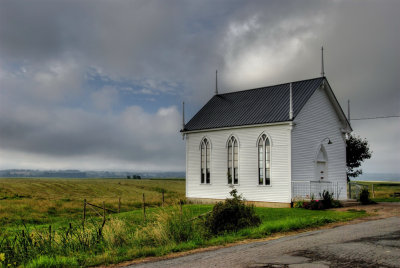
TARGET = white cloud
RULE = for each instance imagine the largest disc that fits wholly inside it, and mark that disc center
(255, 54)
(105, 98)
(127, 140)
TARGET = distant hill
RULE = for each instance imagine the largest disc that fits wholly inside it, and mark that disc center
(71, 173)
(28, 173)
(378, 177)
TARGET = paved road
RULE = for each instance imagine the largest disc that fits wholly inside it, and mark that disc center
(367, 244)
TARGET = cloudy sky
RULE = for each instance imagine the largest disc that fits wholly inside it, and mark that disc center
(99, 84)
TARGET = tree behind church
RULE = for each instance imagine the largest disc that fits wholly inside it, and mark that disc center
(357, 150)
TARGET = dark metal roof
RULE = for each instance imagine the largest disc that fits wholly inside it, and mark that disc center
(253, 106)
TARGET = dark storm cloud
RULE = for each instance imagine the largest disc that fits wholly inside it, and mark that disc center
(47, 49)
(41, 30)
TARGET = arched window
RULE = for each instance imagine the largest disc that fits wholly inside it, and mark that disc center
(264, 161)
(233, 173)
(321, 164)
(205, 161)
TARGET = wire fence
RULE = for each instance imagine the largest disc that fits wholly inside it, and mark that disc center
(314, 189)
(354, 190)
(102, 211)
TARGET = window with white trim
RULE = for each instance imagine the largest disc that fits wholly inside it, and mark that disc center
(205, 160)
(233, 172)
(264, 161)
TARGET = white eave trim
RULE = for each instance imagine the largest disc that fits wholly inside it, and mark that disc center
(336, 105)
(235, 127)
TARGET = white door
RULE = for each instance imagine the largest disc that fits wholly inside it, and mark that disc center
(321, 170)
(321, 167)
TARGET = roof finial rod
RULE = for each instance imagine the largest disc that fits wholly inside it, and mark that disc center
(216, 82)
(183, 115)
(348, 110)
(322, 62)
(290, 103)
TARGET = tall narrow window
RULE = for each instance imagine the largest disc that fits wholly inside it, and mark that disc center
(260, 162)
(264, 161)
(233, 163)
(205, 161)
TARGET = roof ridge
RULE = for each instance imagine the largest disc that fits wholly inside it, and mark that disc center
(253, 106)
(298, 81)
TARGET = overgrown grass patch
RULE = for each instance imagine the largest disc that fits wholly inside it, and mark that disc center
(26, 238)
(126, 236)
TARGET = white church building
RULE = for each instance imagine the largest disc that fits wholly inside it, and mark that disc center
(273, 144)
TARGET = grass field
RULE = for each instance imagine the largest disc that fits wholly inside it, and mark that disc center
(41, 222)
(48, 201)
(382, 191)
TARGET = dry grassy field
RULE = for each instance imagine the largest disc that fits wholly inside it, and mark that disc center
(41, 222)
(42, 201)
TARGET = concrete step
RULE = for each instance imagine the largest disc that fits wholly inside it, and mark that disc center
(350, 203)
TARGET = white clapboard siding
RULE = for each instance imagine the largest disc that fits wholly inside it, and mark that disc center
(317, 121)
(278, 191)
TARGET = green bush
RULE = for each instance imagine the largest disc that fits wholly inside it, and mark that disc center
(327, 199)
(231, 215)
(364, 197)
(298, 204)
(313, 205)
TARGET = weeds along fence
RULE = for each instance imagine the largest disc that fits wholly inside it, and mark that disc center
(101, 211)
(95, 233)
(355, 188)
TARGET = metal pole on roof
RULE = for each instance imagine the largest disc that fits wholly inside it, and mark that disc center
(290, 103)
(183, 119)
(322, 62)
(183, 115)
(348, 110)
(216, 82)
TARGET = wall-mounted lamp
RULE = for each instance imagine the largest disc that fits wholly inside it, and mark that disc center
(329, 140)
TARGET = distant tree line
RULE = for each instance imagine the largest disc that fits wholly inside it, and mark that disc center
(135, 177)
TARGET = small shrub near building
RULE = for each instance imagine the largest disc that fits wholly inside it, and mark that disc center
(231, 215)
(364, 197)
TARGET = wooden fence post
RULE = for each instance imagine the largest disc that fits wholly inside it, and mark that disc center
(349, 190)
(50, 235)
(84, 209)
(163, 198)
(144, 209)
(104, 214)
(84, 214)
(69, 230)
(373, 192)
(119, 204)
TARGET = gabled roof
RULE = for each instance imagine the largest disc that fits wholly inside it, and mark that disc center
(253, 106)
